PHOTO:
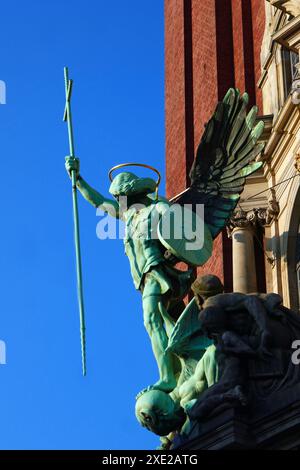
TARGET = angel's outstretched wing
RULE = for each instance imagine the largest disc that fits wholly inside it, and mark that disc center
(187, 338)
(225, 157)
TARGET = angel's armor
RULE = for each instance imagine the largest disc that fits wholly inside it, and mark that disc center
(141, 245)
(160, 283)
(225, 157)
(145, 253)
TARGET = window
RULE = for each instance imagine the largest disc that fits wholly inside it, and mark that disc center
(289, 61)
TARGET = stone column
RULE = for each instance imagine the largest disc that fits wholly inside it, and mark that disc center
(241, 229)
(243, 257)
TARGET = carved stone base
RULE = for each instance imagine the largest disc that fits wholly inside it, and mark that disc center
(273, 423)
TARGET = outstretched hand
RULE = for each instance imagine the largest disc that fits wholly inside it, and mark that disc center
(72, 164)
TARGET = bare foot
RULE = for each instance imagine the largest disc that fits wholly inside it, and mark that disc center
(161, 385)
(164, 386)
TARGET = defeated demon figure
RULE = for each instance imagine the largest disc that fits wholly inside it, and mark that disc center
(227, 351)
(253, 335)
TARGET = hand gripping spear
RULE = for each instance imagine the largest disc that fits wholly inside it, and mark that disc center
(68, 119)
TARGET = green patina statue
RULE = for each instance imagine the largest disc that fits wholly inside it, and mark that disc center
(224, 159)
(233, 349)
(165, 413)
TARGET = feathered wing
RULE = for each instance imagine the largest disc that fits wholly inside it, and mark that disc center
(187, 338)
(225, 157)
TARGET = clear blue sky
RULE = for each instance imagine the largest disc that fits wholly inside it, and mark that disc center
(115, 53)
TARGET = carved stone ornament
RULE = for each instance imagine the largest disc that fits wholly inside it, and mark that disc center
(297, 161)
(288, 6)
(239, 219)
(261, 215)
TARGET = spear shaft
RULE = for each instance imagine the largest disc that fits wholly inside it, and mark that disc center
(68, 119)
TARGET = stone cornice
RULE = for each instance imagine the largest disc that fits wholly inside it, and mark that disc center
(268, 121)
(289, 35)
(279, 127)
(279, 21)
(291, 7)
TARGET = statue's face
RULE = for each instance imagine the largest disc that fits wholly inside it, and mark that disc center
(126, 202)
(156, 411)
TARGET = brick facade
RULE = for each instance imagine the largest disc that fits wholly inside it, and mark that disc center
(210, 45)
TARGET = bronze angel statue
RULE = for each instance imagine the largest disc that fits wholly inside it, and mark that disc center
(225, 157)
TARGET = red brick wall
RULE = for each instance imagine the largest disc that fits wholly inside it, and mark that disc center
(175, 97)
(258, 21)
(209, 47)
(213, 75)
(248, 23)
(204, 64)
(237, 28)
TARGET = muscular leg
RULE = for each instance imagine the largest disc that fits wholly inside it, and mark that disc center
(154, 324)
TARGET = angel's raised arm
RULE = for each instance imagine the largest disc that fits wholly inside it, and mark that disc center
(91, 195)
(96, 199)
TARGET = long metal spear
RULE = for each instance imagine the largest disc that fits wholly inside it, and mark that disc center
(68, 119)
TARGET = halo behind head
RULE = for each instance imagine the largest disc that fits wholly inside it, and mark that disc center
(122, 165)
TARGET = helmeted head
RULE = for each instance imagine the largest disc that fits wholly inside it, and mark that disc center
(206, 286)
(128, 184)
(156, 411)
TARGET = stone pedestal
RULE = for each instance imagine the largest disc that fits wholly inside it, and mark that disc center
(271, 424)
